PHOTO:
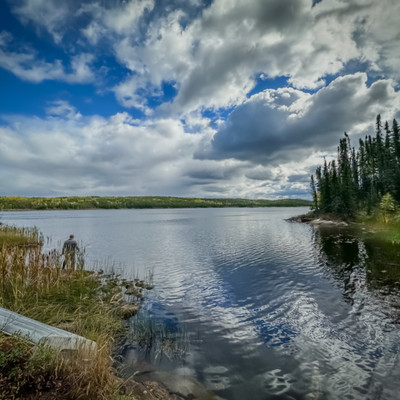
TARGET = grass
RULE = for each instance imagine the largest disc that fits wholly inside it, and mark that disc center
(35, 285)
(386, 228)
(377, 224)
(96, 202)
(10, 235)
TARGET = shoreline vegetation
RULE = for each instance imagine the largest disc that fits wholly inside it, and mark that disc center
(362, 186)
(377, 224)
(361, 180)
(17, 203)
(92, 305)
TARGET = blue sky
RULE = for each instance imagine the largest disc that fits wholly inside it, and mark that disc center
(219, 98)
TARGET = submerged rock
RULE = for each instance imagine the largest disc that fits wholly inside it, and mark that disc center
(320, 221)
(182, 387)
(128, 310)
(304, 218)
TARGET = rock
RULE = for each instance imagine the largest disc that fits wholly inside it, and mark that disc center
(132, 291)
(304, 218)
(149, 390)
(128, 310)
(319, 221)
(183, 387)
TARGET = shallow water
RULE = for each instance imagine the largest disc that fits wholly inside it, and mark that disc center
(250, 305)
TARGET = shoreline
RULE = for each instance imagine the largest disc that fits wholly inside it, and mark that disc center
(136, 202)
(93, 305)
(371, 226)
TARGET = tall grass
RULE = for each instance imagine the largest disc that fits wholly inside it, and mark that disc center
(11, 235)
(34, 284)
(386, 229)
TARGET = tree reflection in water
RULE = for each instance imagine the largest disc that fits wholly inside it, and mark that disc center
(361, 265)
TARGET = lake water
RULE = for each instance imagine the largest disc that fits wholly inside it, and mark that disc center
(250, 305)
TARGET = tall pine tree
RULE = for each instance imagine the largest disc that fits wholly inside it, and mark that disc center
(360, 178)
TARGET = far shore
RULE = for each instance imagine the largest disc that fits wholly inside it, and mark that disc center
(17, 203)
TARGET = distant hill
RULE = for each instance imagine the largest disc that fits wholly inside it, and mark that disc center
(96, 202)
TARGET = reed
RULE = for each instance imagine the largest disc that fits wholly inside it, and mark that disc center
(158, 340)
(34, 284)
(34, 372)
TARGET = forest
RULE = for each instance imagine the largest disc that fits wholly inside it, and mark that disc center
(362, 179)
(97, 202)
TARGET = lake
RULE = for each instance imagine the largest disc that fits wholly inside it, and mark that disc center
(248, 304)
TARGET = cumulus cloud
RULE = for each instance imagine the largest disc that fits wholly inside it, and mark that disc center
(67, 153)
(287, 124)
(216, 57)
(116, 17)
(215, 52)
(64, 154)
(133, 92)
(212, 54)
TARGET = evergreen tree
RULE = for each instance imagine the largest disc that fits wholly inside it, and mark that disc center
(360, 179)
(314, 193)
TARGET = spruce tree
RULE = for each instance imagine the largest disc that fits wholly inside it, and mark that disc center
(360, 179)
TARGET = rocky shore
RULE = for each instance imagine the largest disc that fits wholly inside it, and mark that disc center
(311, 218)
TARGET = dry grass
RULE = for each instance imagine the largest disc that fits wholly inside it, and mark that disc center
(35, 285)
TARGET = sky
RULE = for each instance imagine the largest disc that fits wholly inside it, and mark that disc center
(193, 98)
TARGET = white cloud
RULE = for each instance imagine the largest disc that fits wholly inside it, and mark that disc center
(25, 64)
(84, 155)
(62, 108)
(288, 124)
(50, 15)
(215, 58)
(66, 154)
(124, 18)
(212, 55)
(94, 32)
(133, 92)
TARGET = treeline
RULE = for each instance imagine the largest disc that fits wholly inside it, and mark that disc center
(94, 202)
(360, 179)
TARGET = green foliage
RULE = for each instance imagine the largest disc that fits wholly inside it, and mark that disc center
(388, 207)
(23, 366)
(93, 202)
(359, 179)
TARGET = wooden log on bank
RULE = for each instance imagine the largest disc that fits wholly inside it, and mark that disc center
(12, 323)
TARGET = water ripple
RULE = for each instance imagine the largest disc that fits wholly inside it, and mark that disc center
(271, 309)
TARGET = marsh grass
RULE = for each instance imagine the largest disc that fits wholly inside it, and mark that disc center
(158, 340)
(28, 371)
(35, 285)
(386, 229)
(11, 235)
(25, 366)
